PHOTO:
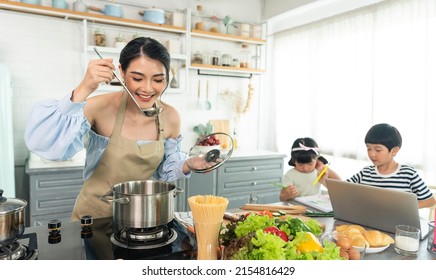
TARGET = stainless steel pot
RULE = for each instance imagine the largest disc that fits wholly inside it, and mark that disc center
(12, 218)
(142, 204)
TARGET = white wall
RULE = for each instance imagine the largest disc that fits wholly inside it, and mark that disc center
(44, 55)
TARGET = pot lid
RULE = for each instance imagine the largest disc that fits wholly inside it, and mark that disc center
(210, 152)
(154, 9)
(8, 205)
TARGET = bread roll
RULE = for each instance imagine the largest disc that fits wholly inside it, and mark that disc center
(387, 239)
(358, 234)
(374, 238)
(378, 239)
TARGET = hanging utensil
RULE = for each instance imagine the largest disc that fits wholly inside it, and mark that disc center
(149, 112)
(207, 104)
(199, 106)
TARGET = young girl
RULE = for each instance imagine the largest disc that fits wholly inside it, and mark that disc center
(307, 165)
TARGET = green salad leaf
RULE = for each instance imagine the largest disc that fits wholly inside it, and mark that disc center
(246, 239)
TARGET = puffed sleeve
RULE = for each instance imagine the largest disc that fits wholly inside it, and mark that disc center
(56, 128)
(171, 167)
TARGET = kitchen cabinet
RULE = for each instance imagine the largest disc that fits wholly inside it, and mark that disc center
(52, 193)
(242, 179)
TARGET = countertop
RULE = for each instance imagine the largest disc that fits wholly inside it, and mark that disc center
(78, 161)
(72, 245)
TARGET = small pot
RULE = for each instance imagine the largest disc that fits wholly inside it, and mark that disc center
(12, 218)
(80, 6)
(153, 15)
(142, 204)
(112, 10)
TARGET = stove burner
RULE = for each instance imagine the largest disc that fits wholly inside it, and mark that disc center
(148, 238)
(18, 251)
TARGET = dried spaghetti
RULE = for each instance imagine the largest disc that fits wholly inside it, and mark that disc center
(208, 212)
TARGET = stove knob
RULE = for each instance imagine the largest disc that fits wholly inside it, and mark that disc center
(54, 224)
(86, 223)
(54, 239)
(86, 220)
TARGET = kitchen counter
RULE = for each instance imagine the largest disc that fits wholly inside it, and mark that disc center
(72, 245)
(78, 161)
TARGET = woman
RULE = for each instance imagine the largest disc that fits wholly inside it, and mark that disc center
(122, 143)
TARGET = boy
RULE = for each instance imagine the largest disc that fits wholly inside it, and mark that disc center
(383, 142)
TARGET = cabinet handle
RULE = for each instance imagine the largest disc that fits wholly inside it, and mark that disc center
(254, 168)
(254, 183)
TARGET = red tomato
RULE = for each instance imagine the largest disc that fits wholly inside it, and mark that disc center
(282, 235)
(271, 229)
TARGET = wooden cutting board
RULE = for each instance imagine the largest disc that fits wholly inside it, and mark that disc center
(221, 126)
(288, 209)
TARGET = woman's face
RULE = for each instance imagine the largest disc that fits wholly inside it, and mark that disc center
(305, 167)
(146, 80)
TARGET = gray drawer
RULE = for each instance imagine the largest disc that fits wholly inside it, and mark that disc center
(54, 193)
(250, 176)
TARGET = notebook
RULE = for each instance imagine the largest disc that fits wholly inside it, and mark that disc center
(320, 202)
(374, 207)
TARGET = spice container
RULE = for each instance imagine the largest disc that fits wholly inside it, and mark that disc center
(207, 58)
(235, 62)
(120, 41)
(226, 60)
(244, 57)
(100, 37)
(197, 58)
(216, 58)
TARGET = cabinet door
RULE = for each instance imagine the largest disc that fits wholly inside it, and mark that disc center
(54, 192)
(248, 176)
(259, 197)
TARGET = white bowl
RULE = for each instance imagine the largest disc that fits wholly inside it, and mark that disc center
(205, 149)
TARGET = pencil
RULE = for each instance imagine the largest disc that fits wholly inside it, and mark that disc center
(320, 174)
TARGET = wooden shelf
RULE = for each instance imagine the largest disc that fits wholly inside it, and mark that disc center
(226, 69)
(70, 14)
(227, 37)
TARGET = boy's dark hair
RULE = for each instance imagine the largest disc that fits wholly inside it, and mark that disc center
(304, 150)
(384, 134)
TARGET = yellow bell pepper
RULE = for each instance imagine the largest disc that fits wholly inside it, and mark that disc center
(312, 244)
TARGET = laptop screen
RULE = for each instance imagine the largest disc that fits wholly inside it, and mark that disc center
(373, 207)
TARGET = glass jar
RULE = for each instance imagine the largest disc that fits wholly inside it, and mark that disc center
(120, 41)
(244, 57)
(226, 60)
(100, 37)
(207, 58)
(235, 62)
(197, 58)
(216, 58)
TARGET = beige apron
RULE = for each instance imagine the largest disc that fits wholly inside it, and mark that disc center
(123, 160)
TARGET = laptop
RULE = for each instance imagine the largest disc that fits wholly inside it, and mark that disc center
(375, 207)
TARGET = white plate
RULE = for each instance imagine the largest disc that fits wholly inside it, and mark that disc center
(370, 250)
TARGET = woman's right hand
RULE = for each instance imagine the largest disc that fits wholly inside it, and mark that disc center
(98, 71)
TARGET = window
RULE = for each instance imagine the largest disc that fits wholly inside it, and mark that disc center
(337, 77)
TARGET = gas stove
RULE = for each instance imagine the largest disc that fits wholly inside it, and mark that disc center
(99, 240)
(18, 251)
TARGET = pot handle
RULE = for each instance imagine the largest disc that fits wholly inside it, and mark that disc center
(178, 191)
(96, 9)
(121, 200)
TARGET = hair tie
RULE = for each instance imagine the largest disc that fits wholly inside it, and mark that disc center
(304, 148)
